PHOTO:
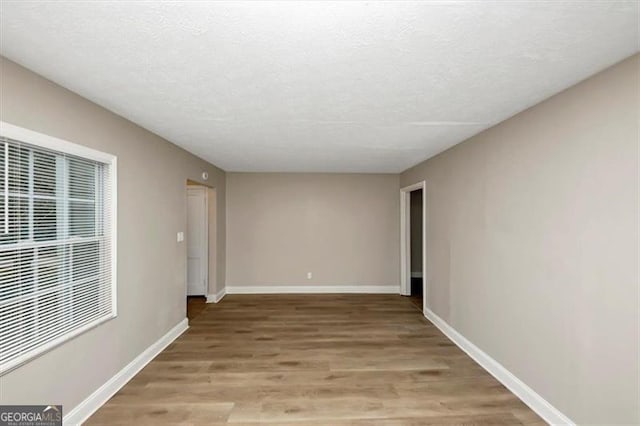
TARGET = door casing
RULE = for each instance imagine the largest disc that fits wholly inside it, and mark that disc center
(405, 240)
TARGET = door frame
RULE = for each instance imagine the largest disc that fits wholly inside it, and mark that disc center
(205, 262)
(405, 240)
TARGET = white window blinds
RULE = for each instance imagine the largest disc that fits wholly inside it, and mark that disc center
(56, 248)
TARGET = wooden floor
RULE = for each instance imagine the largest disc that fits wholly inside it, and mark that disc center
(313, 360)
(195, 306)
(416, 300)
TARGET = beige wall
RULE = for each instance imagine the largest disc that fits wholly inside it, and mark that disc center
(533, 245)
(152, 175)
(344, 228)
(215, 284)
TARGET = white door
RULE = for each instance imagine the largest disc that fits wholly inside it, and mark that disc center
(197, 241)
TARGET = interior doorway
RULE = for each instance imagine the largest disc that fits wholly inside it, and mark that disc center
(201, 247)
(413, 244)
(197, 241)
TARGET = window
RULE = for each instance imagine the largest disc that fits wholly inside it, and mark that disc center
(57, 242)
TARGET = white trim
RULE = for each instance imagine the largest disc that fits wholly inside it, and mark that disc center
(405, 240)
(52, 143)
(44, 348)
(283, 289)
(215, 298)
(91, 404)
(55, 144)
(113, 175)
(537, 403)
(6, 188)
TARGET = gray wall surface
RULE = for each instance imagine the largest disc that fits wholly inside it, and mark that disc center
(532, 245)
(344, 228)
(152, 178)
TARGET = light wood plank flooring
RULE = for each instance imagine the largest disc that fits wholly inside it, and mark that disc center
(313, 360)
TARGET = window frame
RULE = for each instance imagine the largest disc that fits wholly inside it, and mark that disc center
(41, 140)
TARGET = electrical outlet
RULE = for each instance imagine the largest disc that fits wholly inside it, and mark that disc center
(180, 237)
(309, 275)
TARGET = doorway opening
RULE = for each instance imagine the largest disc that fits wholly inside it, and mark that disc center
(413, 244)
(200, 241)
(415, 236)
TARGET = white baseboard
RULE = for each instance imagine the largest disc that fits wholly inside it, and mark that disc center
(90, 405)
(536, 402)
(215, 298)
(282, 289)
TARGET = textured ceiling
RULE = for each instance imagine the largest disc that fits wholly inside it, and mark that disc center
(317, 86)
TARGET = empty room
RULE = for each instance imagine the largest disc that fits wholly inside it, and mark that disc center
(319, 212)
